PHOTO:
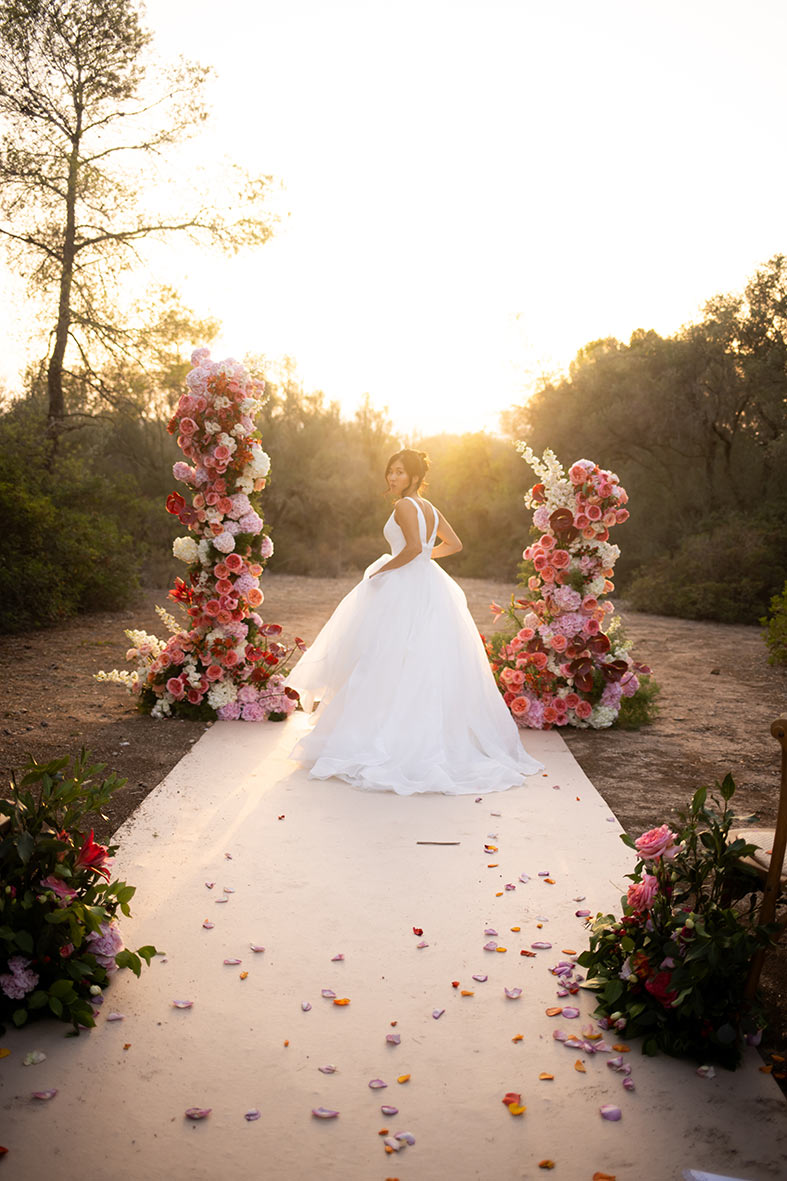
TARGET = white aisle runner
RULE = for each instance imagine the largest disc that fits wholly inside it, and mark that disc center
(318, 870)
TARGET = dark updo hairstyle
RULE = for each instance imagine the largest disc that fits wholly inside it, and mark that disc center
(415, 463)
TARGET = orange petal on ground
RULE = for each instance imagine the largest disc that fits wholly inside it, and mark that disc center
(518, 1037)
(546, 1164)
(544, 1077)
(341, 1000)
(403, 1078)
(620, 1048)
(555, 1011)
(579, 1065)
(516, 1108)
(467, 992)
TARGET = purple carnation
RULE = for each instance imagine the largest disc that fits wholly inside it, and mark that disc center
(253, 712)
(229, 712)
(105, 945)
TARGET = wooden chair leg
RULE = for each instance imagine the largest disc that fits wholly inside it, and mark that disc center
(773, 880)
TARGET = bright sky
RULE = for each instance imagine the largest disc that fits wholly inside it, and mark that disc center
(477, 188)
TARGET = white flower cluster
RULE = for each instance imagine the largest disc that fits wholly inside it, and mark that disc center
(185, 549)
(222, 693)
(119, 677)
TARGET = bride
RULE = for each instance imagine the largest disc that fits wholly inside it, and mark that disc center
(407, 702)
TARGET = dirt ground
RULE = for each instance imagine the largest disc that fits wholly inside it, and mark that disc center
(718, 699)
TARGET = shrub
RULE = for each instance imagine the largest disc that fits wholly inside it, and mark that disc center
(775, 634)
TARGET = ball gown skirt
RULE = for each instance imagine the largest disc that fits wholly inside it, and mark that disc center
(407, 700)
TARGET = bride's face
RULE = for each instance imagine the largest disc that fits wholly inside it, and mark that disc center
(398, 479)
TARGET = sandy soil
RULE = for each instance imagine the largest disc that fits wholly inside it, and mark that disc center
(718, 699)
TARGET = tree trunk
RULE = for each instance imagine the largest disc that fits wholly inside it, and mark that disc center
(54, 378)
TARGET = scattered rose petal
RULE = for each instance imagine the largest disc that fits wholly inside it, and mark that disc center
(256, 947)
(518, 1037)
(423, 943)
(244, 976)
(524, 877)
(516, 928)
(198, 1112)
(43, 1094)
(620, 1048)
(393, 1039)
(403, 1078)
(228, 890)
(628, 1083)
(467, 992)
(255, 1113)
(554, 1011)
(454, 983)
(501, 950)
(511, 1097)
(481, 979)
(569, 1011)
(603, 1177)
(547, 1164)
(517, 1108)
(218, 901)
(437, 1013)
(392, 1145)
(478, 799)
(336, 959)
(33, 1058)
(418, 930)
(228, 856)
(543, 873)
(579, 898)
(544, 1077)
(530, 954)
(210, 885)
(324, 1113)
(406, 1137)
(509, 886)
(115, 1016)
(610, 1112)
(328, 993)
(513, 993)
(582, 914)
(580, 1067)
(386, 1110)
(559, 1035)
(232, 961)
(341, 1000)
(542, 945)
(706, 1072)
(182, 1004)
(489, 931)
(377, 1084)
(327, 1069)
(491, 946)
(208, 925)
(305, 1006)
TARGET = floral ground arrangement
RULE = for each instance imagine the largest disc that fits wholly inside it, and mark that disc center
(59, 937)
(228, 663)
(673, 968)
(564, 660)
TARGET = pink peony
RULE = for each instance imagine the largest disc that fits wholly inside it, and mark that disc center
(105, 945)
(641, 895)
(59, 887)
(525, 634)
(657, 843)
(175, 687)
(253, 712)
(559, 643)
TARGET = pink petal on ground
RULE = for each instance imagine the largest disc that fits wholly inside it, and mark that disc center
(114, 1016)
(335, 959)
(541, 946)
(582, 914)
(377, 1084)
(208, 925)
(393, 1145)
(327, 1069)
(305, 1005)
(509, 886)
(328, 993)
(437, 1013)
(423, 943)
(198, 1112)
(393, 1039)
(256, 947)
(481, 979)
(524, 877)
(389, 1110)
(210, 885)
(609, 1111)
(628, 1083)
(406, 1137)
(255, 1113)
(490, 931)
(182, 1004)
(218, 901)
(229, 890)
(491, 946)
(569, 1011)
(324, 1113)
(543, 873)
(559, 1035)
(232, 961)
(43, 1094)
(513, 993)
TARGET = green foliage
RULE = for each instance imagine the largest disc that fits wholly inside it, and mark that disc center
(673, 968)
(726, 572)
(641, 709)
(775, 634)
(57, 901)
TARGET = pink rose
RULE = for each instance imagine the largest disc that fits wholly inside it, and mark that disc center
(188, 426)
(519, 706)
(254, 597)
(525, 634)
(212, 607)
(641, 895)
(621, 515)
(539, 659)
(583, 709)
(560, 559)
(221, 454)
(175, 687)
(234, 562)
(559, 643)
(214, 672)
(572, 700)
(657, 843)
(581, 520)
(194, 696)
(547, 541)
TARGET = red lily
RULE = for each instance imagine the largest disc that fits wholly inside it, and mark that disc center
(93, 856)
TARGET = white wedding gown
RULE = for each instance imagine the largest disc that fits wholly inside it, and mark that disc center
(408, 702)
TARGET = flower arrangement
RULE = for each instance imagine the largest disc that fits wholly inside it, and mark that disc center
(227, 664)
(59, 937)
(564, 660)
(673, 967)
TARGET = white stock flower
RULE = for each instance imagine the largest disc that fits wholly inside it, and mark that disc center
(212, 428)
(161, 709)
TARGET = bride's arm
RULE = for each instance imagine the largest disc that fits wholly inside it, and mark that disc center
(449, 542)
(406, 517)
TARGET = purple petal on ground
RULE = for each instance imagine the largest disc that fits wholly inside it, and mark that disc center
(115, 1016)
(423, 943)
(43, 1094)
(324, 1113)
(513, 993)
(218, 901)
(481, 979)
(210, 885)
(328, 993)
(393, 1145)
(327, 1069)
(609, 1111)
(561, 992)
(491, 946)
(232, 960)
(393, 1039)
(615, 1063)
(569, 1011)
(182, 1004)
(208, 925)
(524, 877)
(377, 1084)
(407, 1137)
(198, 1112)
(255, 1113)
(543, 873)
(478, 799)
(490, 931)
(541, 946)
(306, 1006)
(509, 886)
(389, 1110)
(437, 1013)
(582, 914)
(628, 1083)
(559, 1035)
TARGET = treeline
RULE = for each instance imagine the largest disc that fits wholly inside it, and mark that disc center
(694, 425)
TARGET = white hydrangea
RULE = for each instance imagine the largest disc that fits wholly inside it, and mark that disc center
(260, 462)
(162, 708)
(596, 586)
(608, 554)
(602, 716)
(185, 549)
(221, 693)
(244, 484)
(203, 552)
